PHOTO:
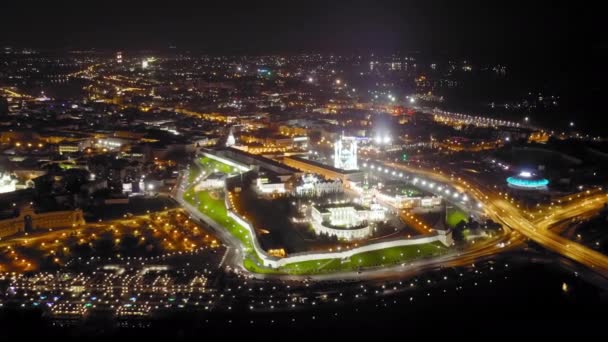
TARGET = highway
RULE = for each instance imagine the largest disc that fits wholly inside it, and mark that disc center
(503, 211)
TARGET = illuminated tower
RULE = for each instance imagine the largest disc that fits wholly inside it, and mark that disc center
(345, 154)
(119, 57)
(231, 140)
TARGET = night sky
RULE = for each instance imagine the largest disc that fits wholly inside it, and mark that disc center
(455, 27)
(534, 34)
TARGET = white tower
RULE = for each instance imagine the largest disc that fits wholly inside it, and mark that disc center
(345, 154)
(231, 140)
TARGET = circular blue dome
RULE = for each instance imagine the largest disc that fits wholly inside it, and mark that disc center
(526, 180)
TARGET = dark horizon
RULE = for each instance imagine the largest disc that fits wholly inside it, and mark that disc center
(505, 32)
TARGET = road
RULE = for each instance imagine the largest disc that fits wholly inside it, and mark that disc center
(503, 211)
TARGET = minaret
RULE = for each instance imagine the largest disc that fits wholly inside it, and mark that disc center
(231, 140)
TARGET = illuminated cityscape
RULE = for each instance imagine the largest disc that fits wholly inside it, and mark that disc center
(323, 169)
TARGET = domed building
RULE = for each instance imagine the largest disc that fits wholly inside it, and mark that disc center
(527, 180)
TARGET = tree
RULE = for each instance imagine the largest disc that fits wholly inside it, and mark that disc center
(458, 232)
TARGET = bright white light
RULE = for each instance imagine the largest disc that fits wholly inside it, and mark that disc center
(338, 81)
(150, 186)
(378, 140)
(525, 174)
(310, 80)
(412, 100)
(7, 183)
(386, 139)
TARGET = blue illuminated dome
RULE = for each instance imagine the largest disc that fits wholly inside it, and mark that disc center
(527, 181)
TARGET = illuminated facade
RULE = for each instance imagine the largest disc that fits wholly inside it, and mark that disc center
(527, 181)
(7, 183)
(313, 186)
(346, 222)
(345, 153)
(29, 220)
(231, 140)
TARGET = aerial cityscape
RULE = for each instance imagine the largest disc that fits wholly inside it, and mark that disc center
(319, 169)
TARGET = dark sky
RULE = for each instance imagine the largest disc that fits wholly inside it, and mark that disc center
(494, 30)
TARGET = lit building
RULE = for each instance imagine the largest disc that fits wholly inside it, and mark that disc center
(526, 180)
(7, 183)
(310, 185)
(119, 57)
(345, 153)
(216, 180)
(327, 171)
(230, 141)
(266, 186)
(345, 221)
(29, 220)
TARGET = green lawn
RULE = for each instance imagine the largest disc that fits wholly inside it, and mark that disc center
(214, 208)
(210, 166)
(454, 216)
(193, 173)
(382, 257)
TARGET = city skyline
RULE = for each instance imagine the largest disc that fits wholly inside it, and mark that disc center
(302, 169)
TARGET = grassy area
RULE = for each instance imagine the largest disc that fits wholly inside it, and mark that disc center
(214, 207)
(454, 216)
(193, 173)
(382, 257)
(210, 165)
(216, 210)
